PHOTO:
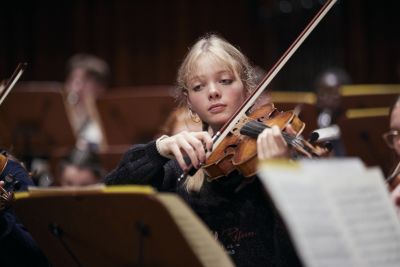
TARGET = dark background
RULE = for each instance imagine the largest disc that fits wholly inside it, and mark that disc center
(144, 41)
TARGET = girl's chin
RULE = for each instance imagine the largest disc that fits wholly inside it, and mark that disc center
(216, 125)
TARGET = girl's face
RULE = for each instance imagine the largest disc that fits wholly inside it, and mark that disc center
(214, 92)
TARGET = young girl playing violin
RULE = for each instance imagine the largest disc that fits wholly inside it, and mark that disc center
(213, 81)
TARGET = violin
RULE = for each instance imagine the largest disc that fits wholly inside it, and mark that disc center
(238, 151)
(228, 154)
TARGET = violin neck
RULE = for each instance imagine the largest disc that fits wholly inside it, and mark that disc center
(254, 128)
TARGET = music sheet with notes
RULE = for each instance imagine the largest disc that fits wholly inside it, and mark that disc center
(338, 212)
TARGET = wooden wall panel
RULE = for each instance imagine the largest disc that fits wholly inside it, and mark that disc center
(144, 41)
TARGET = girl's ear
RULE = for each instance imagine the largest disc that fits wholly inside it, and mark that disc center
(186, 96)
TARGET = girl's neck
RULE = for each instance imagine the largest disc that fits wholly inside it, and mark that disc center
(213, 130)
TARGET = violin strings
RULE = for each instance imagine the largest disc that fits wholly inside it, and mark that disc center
(251, 129)
(254, 128)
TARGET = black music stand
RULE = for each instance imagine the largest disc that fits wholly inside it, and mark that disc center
(117, 226)
(362, 137)
(129, 117)
(34, 121)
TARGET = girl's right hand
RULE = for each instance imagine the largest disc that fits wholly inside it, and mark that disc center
(186, 144)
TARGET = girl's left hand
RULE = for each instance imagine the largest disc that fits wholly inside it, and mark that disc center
(271, 144)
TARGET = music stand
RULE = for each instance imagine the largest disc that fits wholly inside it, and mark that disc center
(362, 131)
(34, 121)
(117, 226)
(129, 116)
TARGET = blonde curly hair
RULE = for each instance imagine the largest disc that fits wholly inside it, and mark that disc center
(220, 50)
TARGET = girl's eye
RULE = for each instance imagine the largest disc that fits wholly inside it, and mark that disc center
(226, 81)
(196, 88)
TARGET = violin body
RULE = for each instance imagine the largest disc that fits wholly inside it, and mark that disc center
(238, 151)
(245, 158)
(219, 163)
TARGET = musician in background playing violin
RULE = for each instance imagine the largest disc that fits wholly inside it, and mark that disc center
(213, 81)
(17, 247)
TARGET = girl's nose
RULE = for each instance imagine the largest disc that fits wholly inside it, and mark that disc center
(214, 92)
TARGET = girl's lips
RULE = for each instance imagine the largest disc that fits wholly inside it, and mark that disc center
(216, 108)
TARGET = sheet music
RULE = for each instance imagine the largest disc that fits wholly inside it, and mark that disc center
(338, 212)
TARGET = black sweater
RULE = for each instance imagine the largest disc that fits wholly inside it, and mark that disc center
(244, 222)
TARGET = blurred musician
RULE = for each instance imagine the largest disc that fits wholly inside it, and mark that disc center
(329, 105)
(17, 247)
(81, 168)
(392, 139)
(87, 78)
